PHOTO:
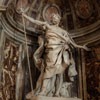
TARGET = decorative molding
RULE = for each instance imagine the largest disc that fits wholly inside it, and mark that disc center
(17, 33)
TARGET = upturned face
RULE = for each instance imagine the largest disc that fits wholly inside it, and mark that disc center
(56, 19)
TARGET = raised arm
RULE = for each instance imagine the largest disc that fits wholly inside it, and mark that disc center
(35, 21)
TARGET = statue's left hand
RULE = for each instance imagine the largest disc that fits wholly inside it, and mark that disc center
(86, 48)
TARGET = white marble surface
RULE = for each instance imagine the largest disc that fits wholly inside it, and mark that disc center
(55, 98)
(52, 98)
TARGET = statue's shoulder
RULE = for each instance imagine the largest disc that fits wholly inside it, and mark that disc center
(56, 28)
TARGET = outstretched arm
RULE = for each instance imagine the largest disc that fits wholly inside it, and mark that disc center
(79, 46)
(75, 45)
(35, 21)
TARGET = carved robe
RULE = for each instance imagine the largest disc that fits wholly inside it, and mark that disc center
(57, 55)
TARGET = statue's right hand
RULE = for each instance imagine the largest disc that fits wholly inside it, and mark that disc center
(40, 40)
(20, 11)
(40, 64)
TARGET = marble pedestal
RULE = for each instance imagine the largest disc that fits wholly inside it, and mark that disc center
(51, 98)
(31, 96)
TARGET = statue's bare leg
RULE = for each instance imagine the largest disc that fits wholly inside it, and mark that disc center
(39, 84)
(52, 85)
(44, 87)
(60, 81)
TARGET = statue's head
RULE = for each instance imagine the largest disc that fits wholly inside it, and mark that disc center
(55, 19)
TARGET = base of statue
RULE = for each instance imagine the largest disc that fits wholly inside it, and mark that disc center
(50, 98)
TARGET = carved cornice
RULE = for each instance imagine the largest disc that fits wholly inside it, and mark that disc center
(91, 39)
(86, 30)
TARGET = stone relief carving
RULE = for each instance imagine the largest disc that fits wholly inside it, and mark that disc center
(84, 8)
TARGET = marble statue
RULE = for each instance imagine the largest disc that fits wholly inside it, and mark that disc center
(57, 56)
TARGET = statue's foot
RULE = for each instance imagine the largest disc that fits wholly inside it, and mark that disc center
(57, 95)
(42, 93)
(30, 95)
(36, 92)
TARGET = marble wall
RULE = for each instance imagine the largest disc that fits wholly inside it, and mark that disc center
(93, 73)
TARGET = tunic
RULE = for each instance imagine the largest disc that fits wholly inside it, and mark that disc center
(57, 55)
